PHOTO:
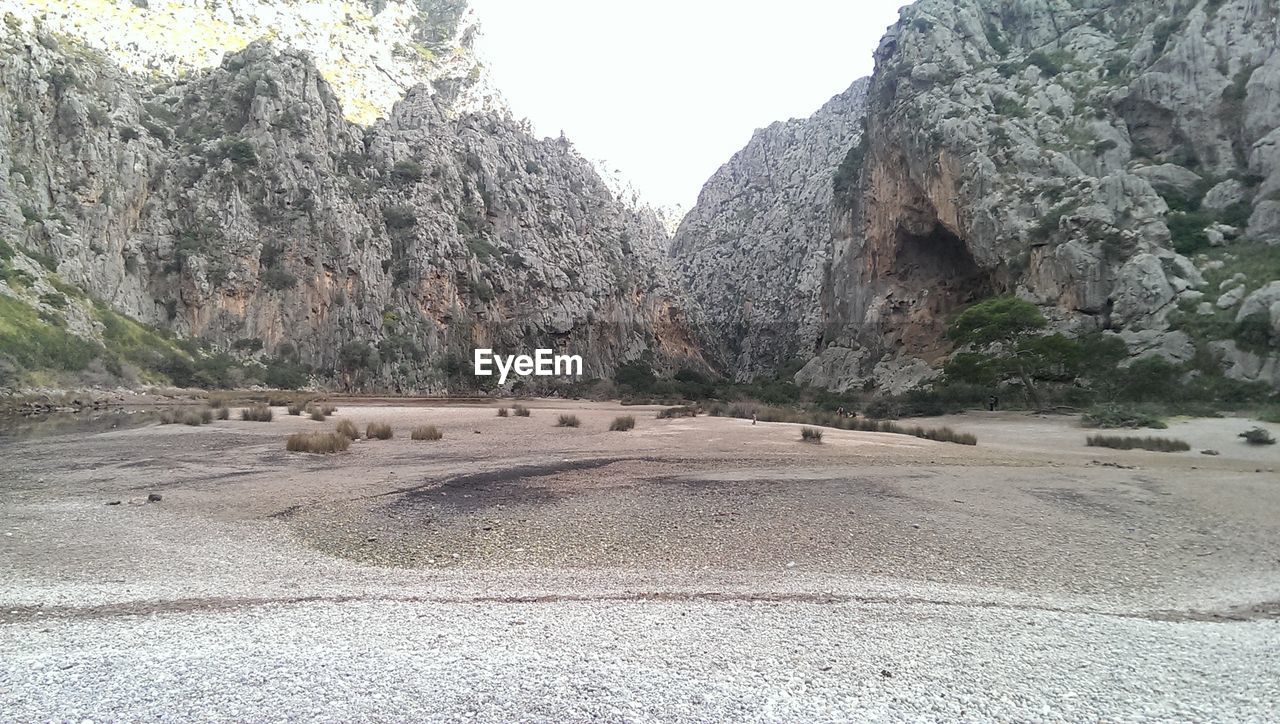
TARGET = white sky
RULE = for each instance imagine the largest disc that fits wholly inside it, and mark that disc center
(667, 90)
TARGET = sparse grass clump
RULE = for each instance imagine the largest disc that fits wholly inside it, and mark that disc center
(377, 431)
(1122, 442)
(192, 416)
(319, 443)
(328, 408)
(316, 414)
(222, 413)
(297, 408)
(520, 410)
(829, 419)
(622, 423)
(568, 421)
(426, 432)
(1111, 415)
(502, 412)
(811, 434)
(347, 429)
(1258, 436)
(256, 413)
(673, 412)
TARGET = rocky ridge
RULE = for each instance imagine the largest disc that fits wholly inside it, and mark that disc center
(754, 250)
(1115, 163)
(239, 205)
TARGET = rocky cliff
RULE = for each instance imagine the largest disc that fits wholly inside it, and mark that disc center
(1116, 163)
(238, 204)
(754, 251)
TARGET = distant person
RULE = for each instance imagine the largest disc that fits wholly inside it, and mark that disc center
(992, 403)
(753, 417)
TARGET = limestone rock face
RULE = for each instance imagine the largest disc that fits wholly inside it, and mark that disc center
(370, 51)
(753, 252)
(1062, 152)
(238, 203)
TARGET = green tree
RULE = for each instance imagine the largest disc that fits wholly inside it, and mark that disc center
(355, 358)
(1007, 331)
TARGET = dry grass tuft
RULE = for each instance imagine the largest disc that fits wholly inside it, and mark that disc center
(1120, 442)
(520, 410)
(318, 443)
(681, 411)
(256, 413)
(193, 416)
(502, 412)
(316, 414)
(297, 408)
(377, 431)
(347, 429)
(568, 421)
(623, 423)
(426, 432)
(223, 413)
(811, 434)
(328, 408)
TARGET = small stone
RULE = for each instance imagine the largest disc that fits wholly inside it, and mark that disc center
(154, 497)
(1209, 452)
(886, 673)
(113, 502)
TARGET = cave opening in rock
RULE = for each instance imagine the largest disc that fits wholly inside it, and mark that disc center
(935, 275)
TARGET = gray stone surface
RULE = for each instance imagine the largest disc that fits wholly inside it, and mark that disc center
(239, 203)
(754, 250)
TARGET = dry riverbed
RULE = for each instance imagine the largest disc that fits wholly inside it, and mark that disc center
(689, 569)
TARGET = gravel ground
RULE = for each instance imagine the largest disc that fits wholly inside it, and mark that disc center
(692, 570)
(640, 661)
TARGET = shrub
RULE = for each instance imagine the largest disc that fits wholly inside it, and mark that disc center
(623, 423)
(811, 434)
(223, 413)
(319, 443)
(568, 421)
(377, 431)
(1258, 436)
(316, 414)
(347, 429)
(256, 413)
(426, 432)
(1120, 442)
(328, 408)
(520, 410)
(407, 171)
(1110, 416)
(673, 412)
(296, 408)
(502, 412)
(399, 217)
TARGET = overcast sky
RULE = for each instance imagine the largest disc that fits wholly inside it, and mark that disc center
(667, 90)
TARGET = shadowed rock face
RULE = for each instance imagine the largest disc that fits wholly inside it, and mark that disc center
(753, 251)
(1013, 147)
(239, 203)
